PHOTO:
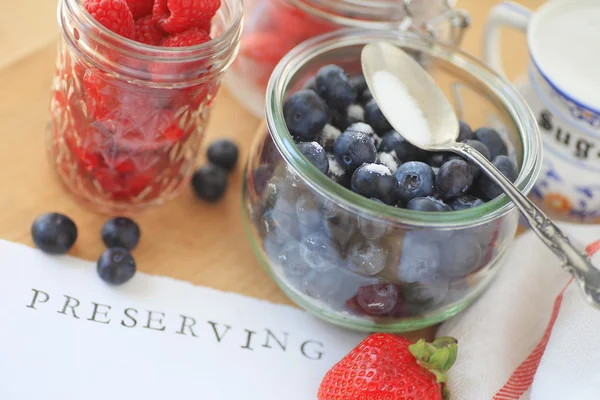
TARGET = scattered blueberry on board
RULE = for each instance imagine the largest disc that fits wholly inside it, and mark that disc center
(116, 265)
(224, 153)
(210, 181)
(121, 232)
(54, 233)
(358, 263)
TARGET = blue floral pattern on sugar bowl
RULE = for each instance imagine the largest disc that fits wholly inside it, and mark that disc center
(582, 115)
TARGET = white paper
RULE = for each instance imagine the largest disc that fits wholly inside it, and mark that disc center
(133, 347)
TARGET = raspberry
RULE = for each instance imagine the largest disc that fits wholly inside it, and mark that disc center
(175, 16)
(191, 37)
(140, 8)
(146, 31)
(113, 14)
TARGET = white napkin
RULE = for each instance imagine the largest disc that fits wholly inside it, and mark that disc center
(524, 320)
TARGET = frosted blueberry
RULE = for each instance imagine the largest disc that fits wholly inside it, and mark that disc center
(366, 258)
(319, 252)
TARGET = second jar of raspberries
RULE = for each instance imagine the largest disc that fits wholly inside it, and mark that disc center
(274, 27)
(131, 97)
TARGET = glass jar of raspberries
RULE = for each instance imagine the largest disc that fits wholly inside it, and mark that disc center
(358, 226)
(274, 27)
(131, 97)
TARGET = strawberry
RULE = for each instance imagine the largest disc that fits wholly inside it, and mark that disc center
(385, 366)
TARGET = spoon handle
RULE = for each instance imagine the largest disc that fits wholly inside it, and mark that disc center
(574, 261)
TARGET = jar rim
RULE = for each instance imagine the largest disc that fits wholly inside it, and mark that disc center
(215, 46)
(377, 12)
(508, 95)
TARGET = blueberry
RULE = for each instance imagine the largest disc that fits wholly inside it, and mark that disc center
(477, 145)
(392, 141)
(359, 83)
(366, 258)
(389, 160)
(321, 285)
(210, 182)
(365, 96)
(432, 235)
(435, 160)
(54, 233)
(342, 119)
(465, 202)
(308, 213)
(375, 118)
(339, 225)
(487, 188)
(334, 86)
(492, 139)
(319, 252)
(224, 153)
(420, 260)
(310, 84)
(328, 136)
(377, 299)
(453, 179)
(415, 179)
(420, 297)
(280, 227)
(462, 255)
(464, 132)
(116, 265)
(337, 173)
(372, 229)
(305, 114)
(427, 204)
(260, 178)
(353, 149)
(350, 284)
(121, 232)
(366, 129)
(286, 195)
(290, 260)
(375, 181)
(315, 154)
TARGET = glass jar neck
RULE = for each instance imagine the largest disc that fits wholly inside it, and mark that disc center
(372, 14)
(152, 65)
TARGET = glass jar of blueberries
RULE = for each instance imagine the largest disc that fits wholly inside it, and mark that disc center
(274, 27)
(361, 228)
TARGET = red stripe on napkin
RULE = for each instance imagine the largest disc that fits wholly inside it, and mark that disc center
(522, 378)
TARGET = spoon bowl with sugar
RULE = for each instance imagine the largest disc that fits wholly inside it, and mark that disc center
(428, 121)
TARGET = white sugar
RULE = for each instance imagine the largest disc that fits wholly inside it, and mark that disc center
(361, 127)
(389, 161)
(334, 167)
(401, 109)
(377, 169)
(330, 132)
(356, 112)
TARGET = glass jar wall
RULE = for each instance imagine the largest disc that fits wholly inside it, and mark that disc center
(362, 264)
(274, 27)
(127, 119)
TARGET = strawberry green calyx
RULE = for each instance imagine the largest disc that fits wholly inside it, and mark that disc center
(437, 357)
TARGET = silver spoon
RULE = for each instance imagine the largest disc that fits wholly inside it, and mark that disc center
(391, 76)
